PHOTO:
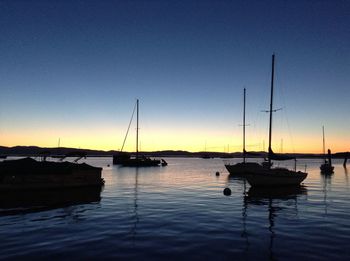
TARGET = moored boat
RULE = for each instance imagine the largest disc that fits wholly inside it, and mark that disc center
(267, 175)
(28, 173)
(241, 168)
(326, 167)
(275, 177)
(125, 159)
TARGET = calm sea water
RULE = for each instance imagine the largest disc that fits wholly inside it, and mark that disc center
(179, 212)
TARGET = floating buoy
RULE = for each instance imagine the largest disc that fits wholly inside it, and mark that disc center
(227, 192)
(217, 173)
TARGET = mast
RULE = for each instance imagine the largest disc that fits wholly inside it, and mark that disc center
(324, 146)
(137, 128)
(244, 155)
(271, 102)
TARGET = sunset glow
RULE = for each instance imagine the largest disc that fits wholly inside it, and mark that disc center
(73, 72)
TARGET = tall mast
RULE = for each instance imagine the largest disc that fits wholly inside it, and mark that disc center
(244, 125)
(324, 146)
(271, 101)
(137, 128)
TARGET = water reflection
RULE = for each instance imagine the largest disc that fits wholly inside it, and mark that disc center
(135, 212)
(274, 199)
(326, 180)
(26, 201)
(346, 176)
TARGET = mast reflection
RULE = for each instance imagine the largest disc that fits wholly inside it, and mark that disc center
(133, 230)
(275, 200)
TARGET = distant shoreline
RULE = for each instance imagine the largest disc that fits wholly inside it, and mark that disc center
(38, 151)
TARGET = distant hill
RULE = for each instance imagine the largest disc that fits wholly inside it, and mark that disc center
(36, 151)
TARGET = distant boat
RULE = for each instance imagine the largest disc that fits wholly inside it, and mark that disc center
(243, 167)
(28, 173)
(266, 175)
(326, 167)
(125, 159)
(205, 155)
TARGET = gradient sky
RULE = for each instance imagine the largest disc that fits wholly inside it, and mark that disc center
(73, 70)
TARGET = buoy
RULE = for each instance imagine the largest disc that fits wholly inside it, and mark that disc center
(217, 173)
(227, 192)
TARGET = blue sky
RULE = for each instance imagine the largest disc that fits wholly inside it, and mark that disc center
(72, 70)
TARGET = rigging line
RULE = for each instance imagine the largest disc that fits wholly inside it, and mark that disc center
(127, 132)
(285, 113)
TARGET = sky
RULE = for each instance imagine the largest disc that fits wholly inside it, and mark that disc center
(72, 70)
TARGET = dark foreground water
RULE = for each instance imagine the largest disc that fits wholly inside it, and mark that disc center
(179, 212)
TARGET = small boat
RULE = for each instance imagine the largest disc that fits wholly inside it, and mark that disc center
(267, 175)
(28, 173)
(326, 167)
(240, 169)
(124, 158)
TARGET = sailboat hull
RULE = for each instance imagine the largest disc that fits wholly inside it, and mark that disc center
(275, 178)
(327, 168)
(141, 162)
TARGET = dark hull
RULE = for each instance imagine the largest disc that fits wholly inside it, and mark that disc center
(326, 168)
(141, 163)
(275, 177)
(24, 174)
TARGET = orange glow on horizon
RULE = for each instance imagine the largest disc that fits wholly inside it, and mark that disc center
(192, 141)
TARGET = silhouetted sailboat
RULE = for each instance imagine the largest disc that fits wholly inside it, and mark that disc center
(266, 175)
(124, 158)
(326, 167)
(28, 173)
(205, 155)
(242, 167)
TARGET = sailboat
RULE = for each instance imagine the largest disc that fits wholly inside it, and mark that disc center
(125, 159)
(267, 175)
(326, 167)
(242, 167)
(205, 155)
